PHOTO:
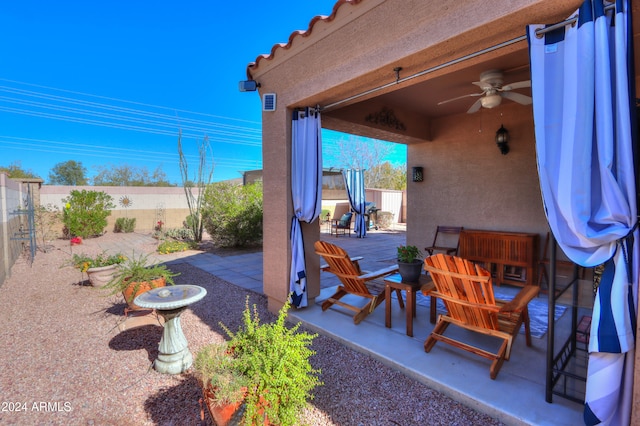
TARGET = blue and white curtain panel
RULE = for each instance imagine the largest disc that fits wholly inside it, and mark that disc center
(354, 182)
(583, 103)
(306, 192)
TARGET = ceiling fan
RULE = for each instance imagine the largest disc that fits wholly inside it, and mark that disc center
(493, 91)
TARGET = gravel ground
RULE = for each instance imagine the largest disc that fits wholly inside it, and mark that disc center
(65, 362)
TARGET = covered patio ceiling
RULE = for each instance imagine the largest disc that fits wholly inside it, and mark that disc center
(451, 78)
(422, 95)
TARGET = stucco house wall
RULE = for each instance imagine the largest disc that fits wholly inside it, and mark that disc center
(469, 183)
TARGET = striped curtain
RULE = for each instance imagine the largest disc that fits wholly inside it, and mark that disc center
(354, 182)
(306, 193)
(582, 84)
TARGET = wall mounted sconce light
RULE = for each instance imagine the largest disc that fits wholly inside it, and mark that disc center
(417, 174)
(502, 138)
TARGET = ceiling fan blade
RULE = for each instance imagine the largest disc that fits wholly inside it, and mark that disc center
(475, 107)
(517, 97)
(460, 97)
(517, 85)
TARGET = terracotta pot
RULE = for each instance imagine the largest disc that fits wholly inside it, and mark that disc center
(410, 272)
(223, 415)
(226, 414)
(135, 289)
(99, 276)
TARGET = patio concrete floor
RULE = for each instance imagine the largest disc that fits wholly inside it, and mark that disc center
(516, 396)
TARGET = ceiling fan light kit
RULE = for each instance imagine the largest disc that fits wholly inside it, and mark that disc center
(491, 101)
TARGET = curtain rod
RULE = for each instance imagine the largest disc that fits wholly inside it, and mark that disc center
(570, 21)
(539, 33)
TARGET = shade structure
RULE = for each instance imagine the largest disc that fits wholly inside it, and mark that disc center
(306, 193)
(354, 182)
(585, 138)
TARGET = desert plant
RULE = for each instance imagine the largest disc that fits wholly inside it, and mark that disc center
(407, 254)
(267, 365)
(203, 178)
(124, 224)
(233, 214)
(84, 261)
(85, 212)
(136, 271)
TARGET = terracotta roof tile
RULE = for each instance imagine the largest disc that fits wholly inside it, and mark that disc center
(298, 33)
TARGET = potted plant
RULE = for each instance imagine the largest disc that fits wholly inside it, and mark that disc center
(100, 268)
(136, 276)
(262, 375)
(409, 263)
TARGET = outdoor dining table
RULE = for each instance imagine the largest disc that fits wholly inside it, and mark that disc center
(174, 356)
(424, 284)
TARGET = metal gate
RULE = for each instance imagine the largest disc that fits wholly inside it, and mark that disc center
(27, 231)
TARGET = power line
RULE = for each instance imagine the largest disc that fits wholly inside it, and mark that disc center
(75, 109)
(40, 145)
(81, 111)
(122, 126)
(129, 102)
(175, 119)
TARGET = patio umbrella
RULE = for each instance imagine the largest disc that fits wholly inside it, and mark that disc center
(582, 84)
(354, 182)
(306, 193)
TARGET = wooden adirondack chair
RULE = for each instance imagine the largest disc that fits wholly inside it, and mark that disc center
(467, 292)
(354, 280)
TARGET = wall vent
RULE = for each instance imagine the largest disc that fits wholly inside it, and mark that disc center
(269, 102)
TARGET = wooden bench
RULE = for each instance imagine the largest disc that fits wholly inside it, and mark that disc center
(511, 256)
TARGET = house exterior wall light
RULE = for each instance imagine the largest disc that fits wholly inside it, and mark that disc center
(502, 138)
(417, 174)
(248, 86)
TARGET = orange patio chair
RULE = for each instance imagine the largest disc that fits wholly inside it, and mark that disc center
(354, 281)
(467, 293)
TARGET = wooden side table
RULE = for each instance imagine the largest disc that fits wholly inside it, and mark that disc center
(394, 282)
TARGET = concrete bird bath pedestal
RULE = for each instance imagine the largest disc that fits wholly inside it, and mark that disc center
(174, 356)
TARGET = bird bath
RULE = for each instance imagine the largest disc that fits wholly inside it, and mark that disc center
(174, 356)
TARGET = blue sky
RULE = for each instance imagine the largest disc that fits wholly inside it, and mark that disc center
(111, 82)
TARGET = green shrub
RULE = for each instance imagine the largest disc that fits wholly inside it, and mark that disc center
(172, 246)
(232, 214)
(189, 222)
(266, 363)
(85, 213)
(179, 234)
(125, 224)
